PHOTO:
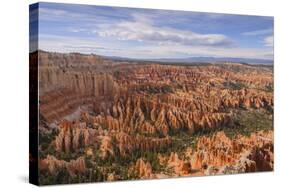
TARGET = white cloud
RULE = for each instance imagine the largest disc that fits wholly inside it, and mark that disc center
(143, 30)
(66, 44)
(268, 41)
(157, 42)
(258, 32)
(71, 44)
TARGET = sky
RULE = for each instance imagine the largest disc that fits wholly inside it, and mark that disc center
(149, 33)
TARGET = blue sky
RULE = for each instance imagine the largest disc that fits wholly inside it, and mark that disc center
(147, 33)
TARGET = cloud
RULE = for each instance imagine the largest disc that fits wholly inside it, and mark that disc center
(142, 29)
(168, 51)
(66, 44)
(139, 33)
(70, 44)
(268, 41)
(258, 32)
(82, 14)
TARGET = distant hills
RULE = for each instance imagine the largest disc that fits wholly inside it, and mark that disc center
(196, 59)
(187, 60)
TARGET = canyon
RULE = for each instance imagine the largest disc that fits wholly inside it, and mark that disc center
(105, 120)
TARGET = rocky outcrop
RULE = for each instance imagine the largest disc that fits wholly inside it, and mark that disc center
(74, 135)
(69, 80)
(139, 115)
(128, 144)
(247, 98)
(180, 167)
(73, 71)
(214, 151)
(53, 165)
(220, 154)
(143, 169)
(106, 147)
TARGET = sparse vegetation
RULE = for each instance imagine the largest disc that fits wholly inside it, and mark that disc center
(149, 104)
(234, 85)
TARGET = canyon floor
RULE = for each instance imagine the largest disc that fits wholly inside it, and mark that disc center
(108, 120)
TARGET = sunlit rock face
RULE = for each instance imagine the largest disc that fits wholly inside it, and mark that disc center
(143, 169)
(219, 154)
(67, 81)
(104, 120)
(179, 166)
